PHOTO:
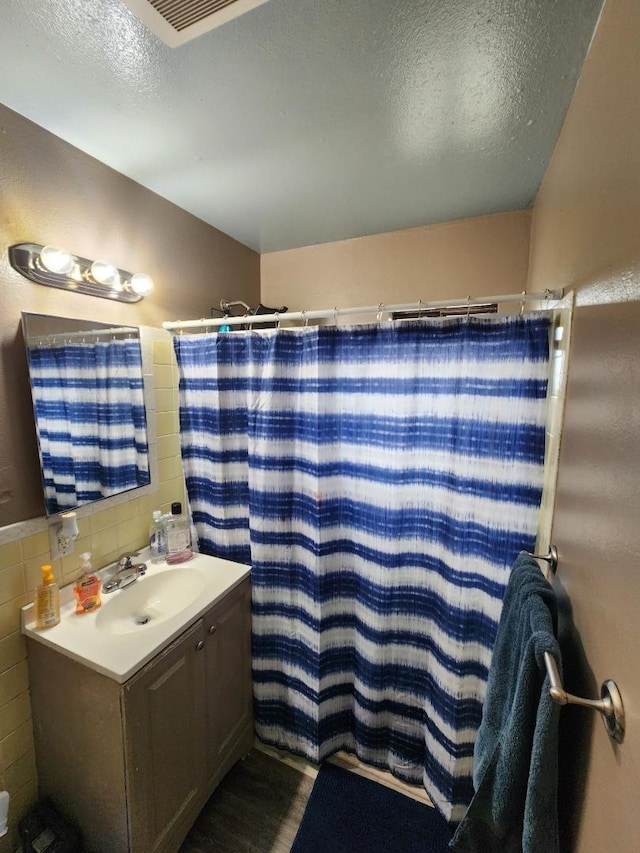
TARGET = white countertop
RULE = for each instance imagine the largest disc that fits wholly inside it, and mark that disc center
(121, 655)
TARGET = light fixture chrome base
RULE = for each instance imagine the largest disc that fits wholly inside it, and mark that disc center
(25, 258)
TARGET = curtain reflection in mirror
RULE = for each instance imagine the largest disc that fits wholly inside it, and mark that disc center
(89, 405)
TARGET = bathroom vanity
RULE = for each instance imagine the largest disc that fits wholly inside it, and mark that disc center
(141, 708)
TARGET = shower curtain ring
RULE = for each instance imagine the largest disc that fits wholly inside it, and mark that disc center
(277, 319)
(305, 319)
(524, 293)
(468, 306)
(380, 307)
(419, 308)
(335, 315)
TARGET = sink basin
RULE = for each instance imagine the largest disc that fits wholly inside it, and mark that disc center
(149, 600)
(137, 622)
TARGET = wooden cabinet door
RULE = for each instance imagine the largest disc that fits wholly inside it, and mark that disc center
(164, 716)
(228, 688)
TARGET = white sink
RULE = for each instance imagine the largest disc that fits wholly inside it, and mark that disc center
(135, 623)
(149, 600)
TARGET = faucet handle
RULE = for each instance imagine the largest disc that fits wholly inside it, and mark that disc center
(125, 560)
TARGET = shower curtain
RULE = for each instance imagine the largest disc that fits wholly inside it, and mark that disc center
(380, 480)
(86, 397)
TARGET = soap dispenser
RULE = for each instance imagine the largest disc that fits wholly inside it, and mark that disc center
(87, 588)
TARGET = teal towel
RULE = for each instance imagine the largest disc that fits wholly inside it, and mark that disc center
(515, 762)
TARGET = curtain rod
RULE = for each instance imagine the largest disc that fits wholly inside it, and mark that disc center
(88, 333)
(334, 313)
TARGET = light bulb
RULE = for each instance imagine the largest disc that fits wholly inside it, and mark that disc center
(141, 283)
(105, 273)
(56, 260)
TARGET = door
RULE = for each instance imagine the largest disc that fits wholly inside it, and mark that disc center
(597, 530)
(228, 679)
(164, 732)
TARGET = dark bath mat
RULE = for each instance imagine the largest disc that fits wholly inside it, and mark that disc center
(349, 814)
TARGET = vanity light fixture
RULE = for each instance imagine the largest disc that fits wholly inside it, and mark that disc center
(105, 273)
(56, 267)
(56, 260)
(141, 283)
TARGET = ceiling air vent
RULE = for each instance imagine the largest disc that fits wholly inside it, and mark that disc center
(179, 21)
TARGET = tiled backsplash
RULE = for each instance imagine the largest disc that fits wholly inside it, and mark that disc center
(108, 529)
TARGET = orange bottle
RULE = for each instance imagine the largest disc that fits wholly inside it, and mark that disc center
(87, 588)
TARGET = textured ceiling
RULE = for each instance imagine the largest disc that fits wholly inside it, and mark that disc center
(306, 121)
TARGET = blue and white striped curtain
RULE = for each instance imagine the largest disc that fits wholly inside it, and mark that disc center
(90, 417)
(381, 480)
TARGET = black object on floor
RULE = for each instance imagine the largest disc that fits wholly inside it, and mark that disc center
(349, 814)
(44, 829)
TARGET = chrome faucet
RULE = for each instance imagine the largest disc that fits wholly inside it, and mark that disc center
(125, 574)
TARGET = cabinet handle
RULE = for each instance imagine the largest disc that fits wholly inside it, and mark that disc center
(212, 629)
(200, 645)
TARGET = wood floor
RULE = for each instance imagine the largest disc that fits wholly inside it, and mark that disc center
(258, 806)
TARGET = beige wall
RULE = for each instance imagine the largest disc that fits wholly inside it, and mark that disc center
(586, 235)
(53, 193)
(468, 257)
(586, 223)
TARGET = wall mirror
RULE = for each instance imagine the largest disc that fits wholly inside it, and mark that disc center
(88, 400)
